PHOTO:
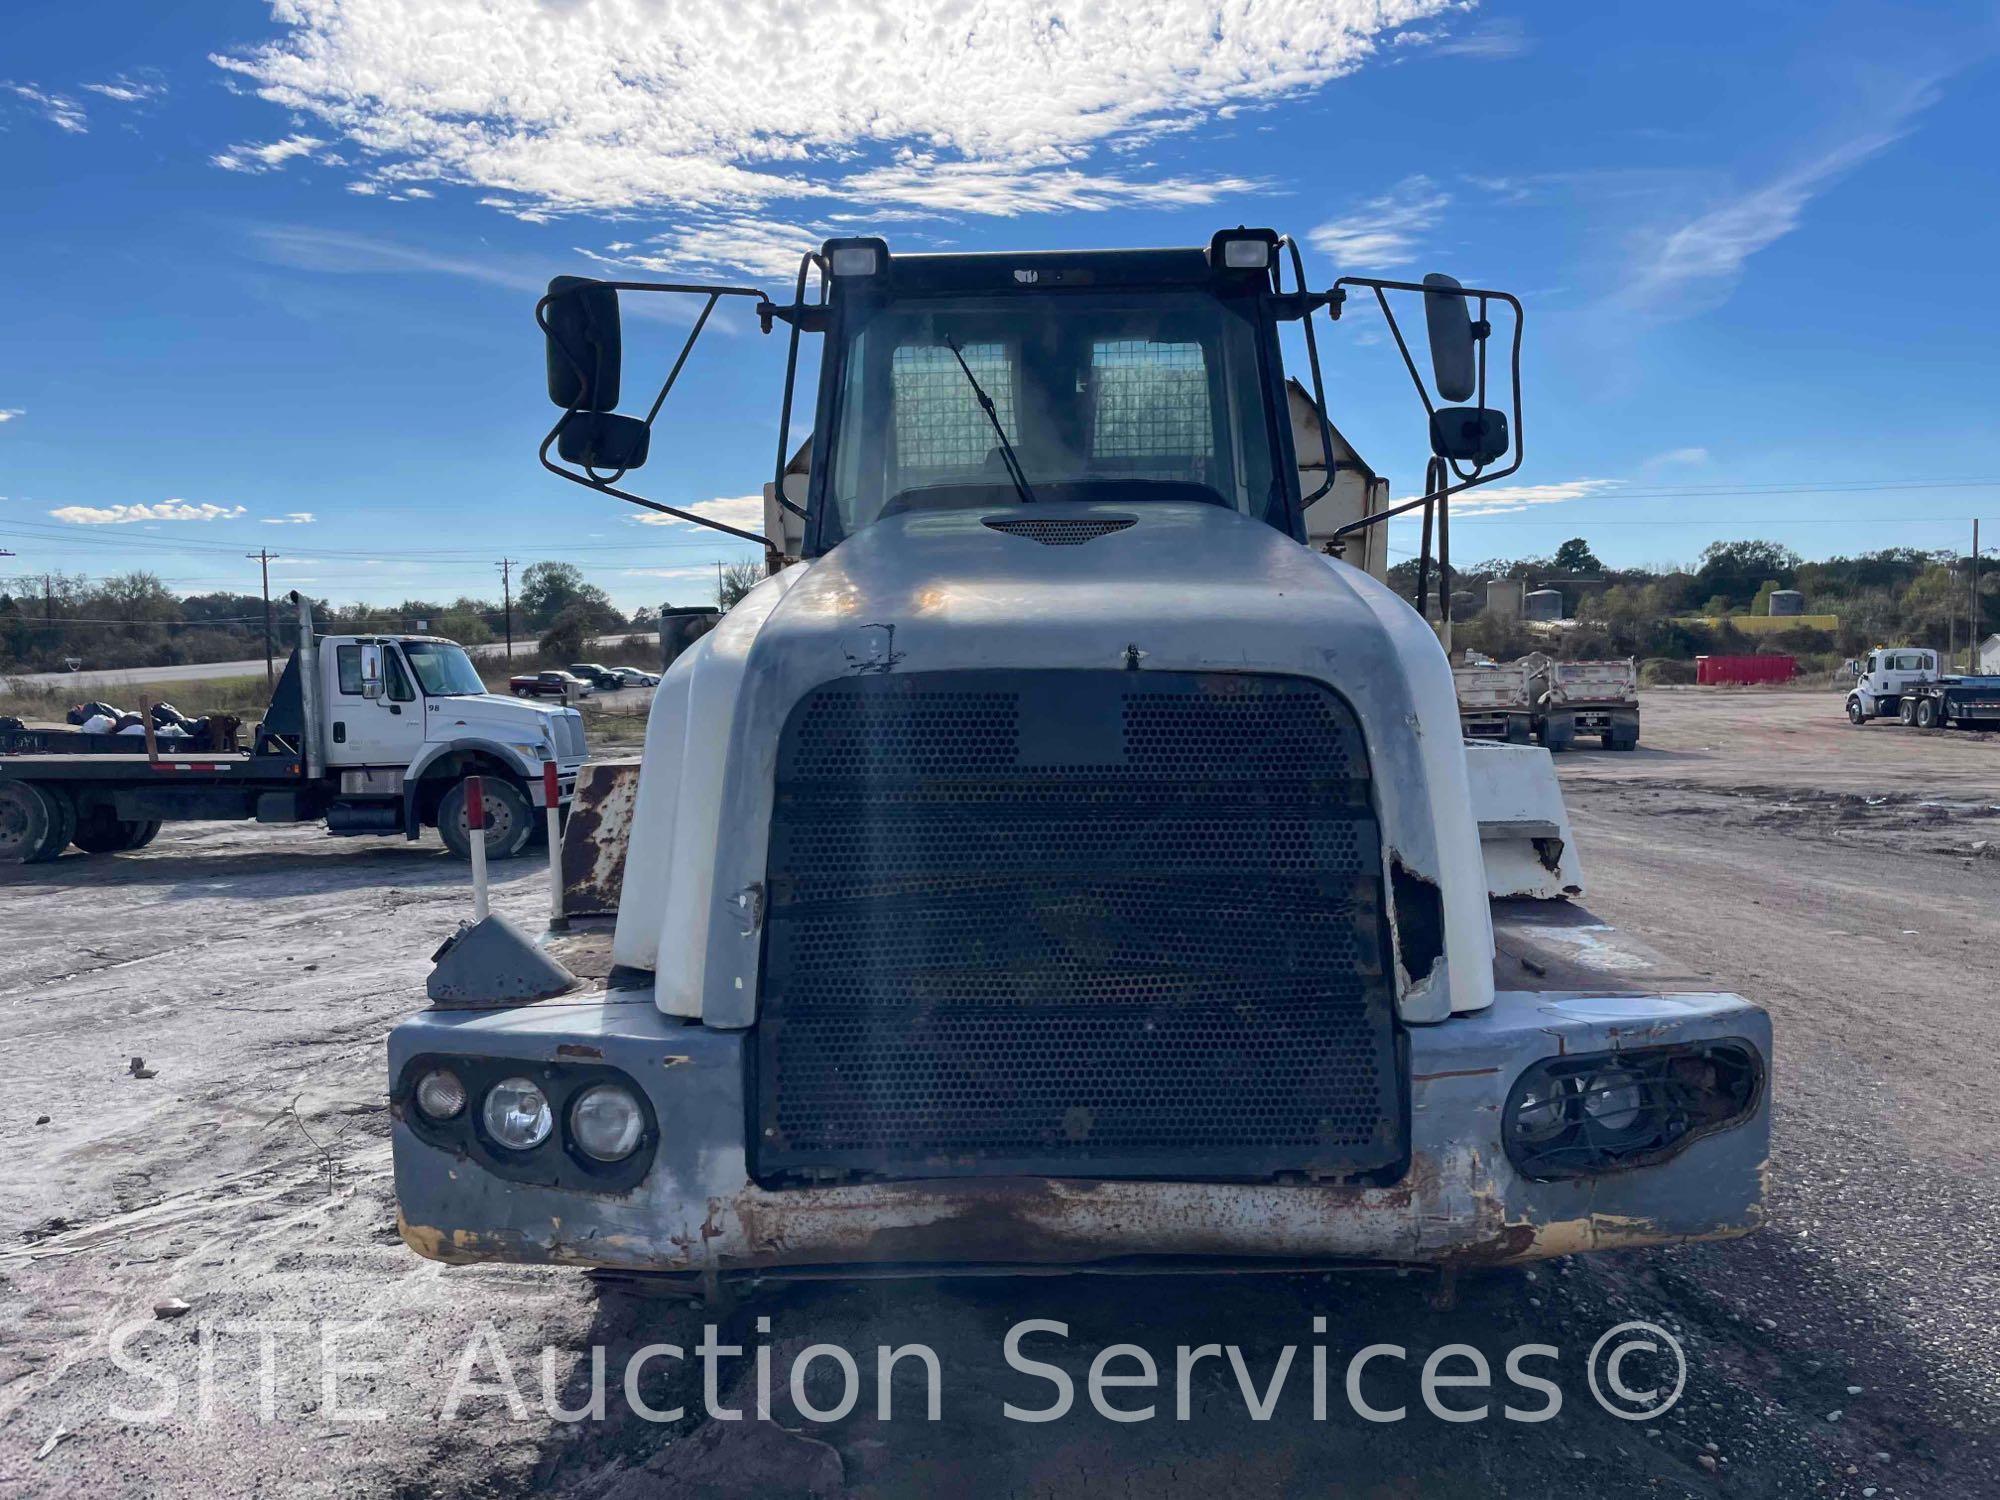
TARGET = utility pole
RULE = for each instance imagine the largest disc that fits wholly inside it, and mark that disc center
(1972, 613)
(48, 600)
(718, 584)
(262, 557)
(507, 602)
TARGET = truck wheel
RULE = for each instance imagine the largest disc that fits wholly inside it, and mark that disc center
(36, 822)
(1906, 710)
(1518, 732)
(1926, 714)
(144, 833)
(510, 819)
(102, 831)
(1856, 714)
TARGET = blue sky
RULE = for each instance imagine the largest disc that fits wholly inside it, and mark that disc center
(272, 271)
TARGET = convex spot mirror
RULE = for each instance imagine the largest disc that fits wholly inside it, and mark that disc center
(583, 344)
(1453, 351)
(371, 671)
(1469, 434)
(603, 441)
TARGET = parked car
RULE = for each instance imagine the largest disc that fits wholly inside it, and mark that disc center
(633, 677)
(551, 684)
(597, 676)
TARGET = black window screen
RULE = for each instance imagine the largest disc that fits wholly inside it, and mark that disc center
(939, 424)
(1150, 408)
(348, 659)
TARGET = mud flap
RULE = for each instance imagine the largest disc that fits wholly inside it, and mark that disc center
(596, 836)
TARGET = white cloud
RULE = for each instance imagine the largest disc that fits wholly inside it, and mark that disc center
(1383, 231)
(126, 90)
(290, 518)
(619, 106)
(1503, 499)
(9, 413)
(269, 157)
(59, 110)
(1675, 458)
(342, 253)
(1694, 265)
(745, 512)
(124, 515)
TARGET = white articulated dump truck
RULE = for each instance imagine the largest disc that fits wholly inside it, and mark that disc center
(1065, 863)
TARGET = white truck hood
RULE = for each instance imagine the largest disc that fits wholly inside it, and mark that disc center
(506, 720)
(1176, 587)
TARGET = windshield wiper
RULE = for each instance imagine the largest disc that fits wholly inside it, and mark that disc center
(1014, 471)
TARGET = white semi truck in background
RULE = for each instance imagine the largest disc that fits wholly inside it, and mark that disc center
(1064, 863)
(375, 734)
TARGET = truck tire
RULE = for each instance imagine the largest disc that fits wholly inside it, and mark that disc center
(144, 834)
(1518, 730)
(36, 822)
(1925, 714)
(102, 831)
(510, 819)
(1856, 714)
(1906, 709)
(1556, 737)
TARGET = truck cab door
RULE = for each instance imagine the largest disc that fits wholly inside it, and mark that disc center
(375, 714)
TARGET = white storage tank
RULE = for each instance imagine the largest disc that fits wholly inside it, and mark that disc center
(1543, 604)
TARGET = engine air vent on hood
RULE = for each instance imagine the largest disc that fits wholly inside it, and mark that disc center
(1063, 533)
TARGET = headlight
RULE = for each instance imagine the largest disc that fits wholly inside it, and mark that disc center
(1542, 1110)
(1614, 1098)
(536, 751)
(606, 1122)
(440, 1095)
(517, 1115)
(1584, 1114)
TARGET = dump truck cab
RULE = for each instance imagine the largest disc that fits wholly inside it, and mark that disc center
(1062, 863)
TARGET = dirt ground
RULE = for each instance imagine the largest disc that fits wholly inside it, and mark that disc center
(1847, 879)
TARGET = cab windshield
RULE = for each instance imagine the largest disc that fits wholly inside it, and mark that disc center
(1119, 396)
(444, 670)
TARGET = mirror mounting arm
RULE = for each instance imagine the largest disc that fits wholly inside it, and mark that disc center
(607, 485)
(1437, 491)
(1307, 301)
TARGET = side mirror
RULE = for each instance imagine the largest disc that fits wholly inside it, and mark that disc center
(1469, 434)
(371, 671)
(603, 440)
(584, 346)
(1452, 345)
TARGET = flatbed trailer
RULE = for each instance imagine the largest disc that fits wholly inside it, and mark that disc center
(1952, 703)
(370, 735)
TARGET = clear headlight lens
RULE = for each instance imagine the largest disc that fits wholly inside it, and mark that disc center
(1614, 1099)
(606, 1122)
(517, 1114)
(1541, 1111)
(440, 1095)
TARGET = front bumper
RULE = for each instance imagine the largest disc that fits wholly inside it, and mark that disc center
(697, 1211)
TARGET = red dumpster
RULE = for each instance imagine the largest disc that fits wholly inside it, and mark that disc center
(1744, 670)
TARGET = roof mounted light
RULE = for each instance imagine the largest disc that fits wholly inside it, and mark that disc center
(1243, 249)
(869, 257)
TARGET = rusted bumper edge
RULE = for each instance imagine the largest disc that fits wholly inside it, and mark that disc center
(697, 1211)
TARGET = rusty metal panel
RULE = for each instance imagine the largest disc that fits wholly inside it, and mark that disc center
(597, 835)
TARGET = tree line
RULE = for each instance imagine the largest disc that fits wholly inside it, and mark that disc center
(48, 621)
(1905, 595)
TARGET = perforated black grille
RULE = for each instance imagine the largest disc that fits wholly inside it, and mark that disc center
(1111, 924)
(1063, 533)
